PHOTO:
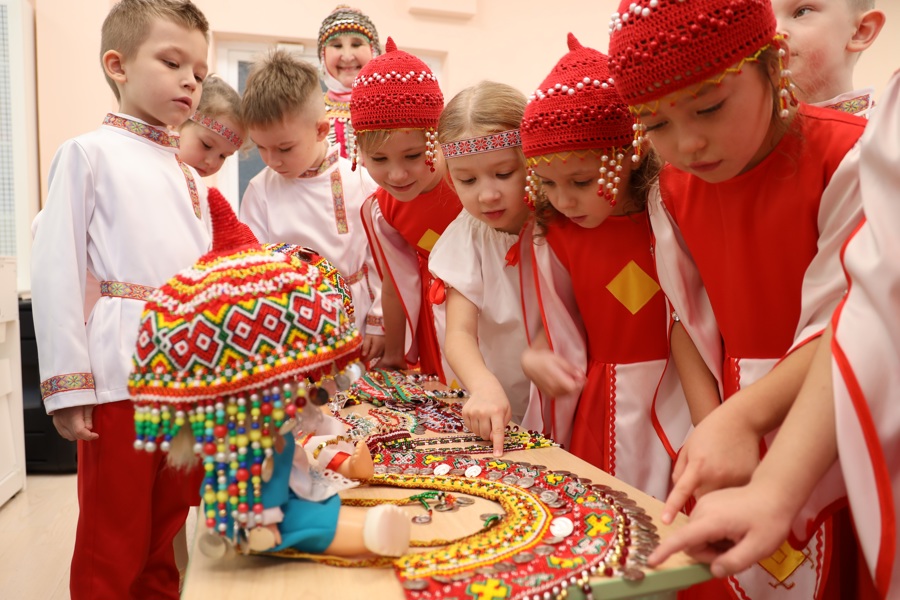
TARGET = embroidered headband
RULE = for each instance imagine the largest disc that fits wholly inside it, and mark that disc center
(233, 138)
(485, 143)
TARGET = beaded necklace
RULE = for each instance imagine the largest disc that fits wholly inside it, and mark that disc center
(514, 439)
(555, 531)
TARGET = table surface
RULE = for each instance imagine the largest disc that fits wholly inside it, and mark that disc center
(241, 577)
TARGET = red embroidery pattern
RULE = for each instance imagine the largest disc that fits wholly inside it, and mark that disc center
(148, 132)
(233, 138)
(192, 187)
(66, 383)
(853, 105)
(121, 289)
(326, 164)
(337, 196)
(487, 143)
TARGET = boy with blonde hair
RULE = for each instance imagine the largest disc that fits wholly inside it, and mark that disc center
(825, 40)
(308, 194)
(122, 207)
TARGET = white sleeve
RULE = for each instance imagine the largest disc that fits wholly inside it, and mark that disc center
(58, 271)
(254, 212)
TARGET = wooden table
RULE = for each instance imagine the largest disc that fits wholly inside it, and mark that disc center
(242, 577)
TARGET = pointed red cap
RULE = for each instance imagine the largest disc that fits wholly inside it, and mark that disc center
(228, 232)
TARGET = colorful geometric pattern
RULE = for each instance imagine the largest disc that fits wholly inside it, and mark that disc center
(853, 105)
(326, 164)
(329, 271)
(122, 289)
(210, 123)
(337, 196)
(148, 132)
(487, 143)
(192, 187)
(66, 383)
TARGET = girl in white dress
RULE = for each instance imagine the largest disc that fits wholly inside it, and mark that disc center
(475, 260)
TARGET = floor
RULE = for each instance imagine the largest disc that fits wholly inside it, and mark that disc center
(37, 534)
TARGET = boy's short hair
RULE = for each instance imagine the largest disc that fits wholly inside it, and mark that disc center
(861, 5)
(280, 84)
(127, 25)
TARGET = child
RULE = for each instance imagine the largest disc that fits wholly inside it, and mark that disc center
(395, 118)
(215, 131)
(307, 194)
(825, 40)
(475, 260)
(348, 40)
(746, 244)
(220, 372)
(597, 254)
(121, 206)
(846, 408)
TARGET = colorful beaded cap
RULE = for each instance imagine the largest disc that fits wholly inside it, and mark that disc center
(657, 47)
(395, 91)
(576, 107)
(226, 347)
(345, 20)
(328, 271)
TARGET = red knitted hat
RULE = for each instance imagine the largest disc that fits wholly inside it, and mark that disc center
(657, 47)
(576, 107)
(395, 91)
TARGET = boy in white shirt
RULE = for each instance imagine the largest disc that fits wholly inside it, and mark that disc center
(122, 207)
(825, 40)
(308, 195)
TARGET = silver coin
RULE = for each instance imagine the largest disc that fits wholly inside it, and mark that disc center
(415, 584)
(419, 430)
(494, 475)
(557, 504)
(421, 519)
(549, 496)
(627, 502)
(555, 539)
(394, 470)
(510, 480)
(523, 557)
(443, 579)
(457, 472)
(524, 464)
(544, 550)
(597, 505)
(464, 501)
(561, 511)
(633, 574)
(444, 507)
(504, 567)
(486, 516)
(602, 489)
(525, 482)
(585, 481)
(633, 511)
(488, 570)
(563, 473)
(539, 467)
(380, 469)
(411, 471)
(463, 576)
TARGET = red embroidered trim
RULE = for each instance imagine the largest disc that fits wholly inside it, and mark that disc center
(486, 143)
(326, 164)
(853, 105)
(233, 138)
(337, 196)
(69, 382)
(148, 132)
(122, 289)
(192, 186)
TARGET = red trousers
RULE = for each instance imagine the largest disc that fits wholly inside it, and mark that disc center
(131, 506)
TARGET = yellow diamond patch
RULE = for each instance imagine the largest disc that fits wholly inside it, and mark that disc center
(633, 287)
(783, 562)
(428, 240)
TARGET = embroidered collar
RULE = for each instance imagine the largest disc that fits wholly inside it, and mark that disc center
(332, 158)
(153, 134)
(853, 105)
(335, 107)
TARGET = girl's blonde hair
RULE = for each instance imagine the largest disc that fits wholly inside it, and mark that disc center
(482, 109)
(219, 99)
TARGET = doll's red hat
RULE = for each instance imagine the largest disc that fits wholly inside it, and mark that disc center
(395, 91)
(657, 47)
(576, 107)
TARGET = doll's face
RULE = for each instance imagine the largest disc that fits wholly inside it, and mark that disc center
(490, 186)
(721, 132)
(344, 57)
(204, 149)
(398, 165)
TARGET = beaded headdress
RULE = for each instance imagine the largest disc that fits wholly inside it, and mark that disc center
(231, 348)
(346, 20)
(217, 127)
(574, 111)
(396, 91)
